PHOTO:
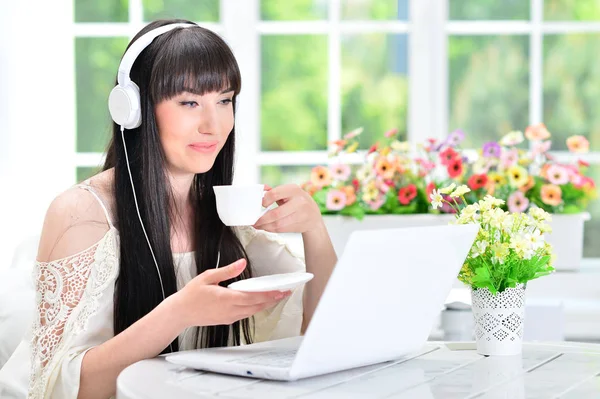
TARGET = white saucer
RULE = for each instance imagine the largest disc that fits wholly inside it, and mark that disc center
(274, 282)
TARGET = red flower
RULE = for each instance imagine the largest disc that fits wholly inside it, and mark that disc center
(373, 148)
(389, 183)
(477, 181)
(356, 184)
(582, 163)
(455, 168)
(429, 189)
(448, 156)
(407, 194)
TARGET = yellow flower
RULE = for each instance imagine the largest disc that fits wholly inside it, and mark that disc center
(352, 147)
(518, 176)
(499, 252)
(525, 161)
(497, 179)
(370, 193)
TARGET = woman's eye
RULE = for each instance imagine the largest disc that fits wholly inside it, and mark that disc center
(190, 104)
(226, 101)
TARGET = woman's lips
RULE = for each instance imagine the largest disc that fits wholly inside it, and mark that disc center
(204, 147)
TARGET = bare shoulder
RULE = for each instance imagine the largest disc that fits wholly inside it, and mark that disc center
(74, 221)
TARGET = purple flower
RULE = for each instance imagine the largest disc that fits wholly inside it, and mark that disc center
(455, 138)
(491, 149)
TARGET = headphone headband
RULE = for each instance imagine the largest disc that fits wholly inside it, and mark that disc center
(138, 46)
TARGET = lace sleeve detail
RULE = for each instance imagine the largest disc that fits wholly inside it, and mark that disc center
(67, 295)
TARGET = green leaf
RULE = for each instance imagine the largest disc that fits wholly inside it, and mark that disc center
(320, 197)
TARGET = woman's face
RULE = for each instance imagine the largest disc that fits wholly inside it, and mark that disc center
(194, 128)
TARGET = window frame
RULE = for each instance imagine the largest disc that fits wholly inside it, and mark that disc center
(428, 27)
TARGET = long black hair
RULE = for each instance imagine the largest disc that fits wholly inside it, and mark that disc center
(197, 60)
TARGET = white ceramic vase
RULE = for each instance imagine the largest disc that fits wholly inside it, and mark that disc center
(499, 320)
(567, 240)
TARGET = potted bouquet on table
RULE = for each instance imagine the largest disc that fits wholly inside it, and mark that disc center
(530, 177)
(509, 251)
(383, 187)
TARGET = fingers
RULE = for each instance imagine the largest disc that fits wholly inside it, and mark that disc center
(279, 194)
(285, 225)
(224, 273)
(275, 214)
(256, 298)
(250, 310)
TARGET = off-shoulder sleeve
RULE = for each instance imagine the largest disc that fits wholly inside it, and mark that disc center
(270, 254)
(70, 293)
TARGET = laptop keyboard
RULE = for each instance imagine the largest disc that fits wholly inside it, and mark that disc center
(281, 359)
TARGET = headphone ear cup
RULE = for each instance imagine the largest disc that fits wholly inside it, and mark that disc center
(124, 105)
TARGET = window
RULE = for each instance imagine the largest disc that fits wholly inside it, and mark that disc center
(315, 69)
(531, 61)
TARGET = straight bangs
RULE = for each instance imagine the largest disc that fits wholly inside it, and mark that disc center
(193, 60)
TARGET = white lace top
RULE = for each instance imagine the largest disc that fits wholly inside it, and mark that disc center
(74, 298)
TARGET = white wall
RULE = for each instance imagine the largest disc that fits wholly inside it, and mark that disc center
(36, 115)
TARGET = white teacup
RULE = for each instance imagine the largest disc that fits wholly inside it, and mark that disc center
(240, 205)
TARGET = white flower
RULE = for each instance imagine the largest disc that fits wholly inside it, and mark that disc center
(543, 227)
(460, 191)
(436, 199)
(507, 223)
(539, 214)
(469, 214)
(479, 248)
(493, 200)
(364, 173)
(522, 246)
(499, 252)
(447, 190)
(512, 138)
(497, 217)
(400, 146)
(535, 240)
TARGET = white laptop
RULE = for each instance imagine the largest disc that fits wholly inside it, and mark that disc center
(380, 304)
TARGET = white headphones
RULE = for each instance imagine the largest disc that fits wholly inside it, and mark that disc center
(124, 99)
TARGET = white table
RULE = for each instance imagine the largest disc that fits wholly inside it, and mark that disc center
(565, 370)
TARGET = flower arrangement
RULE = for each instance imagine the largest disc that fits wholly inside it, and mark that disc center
(527, 177)
(389, 181)
(509, 249)
(394, 178)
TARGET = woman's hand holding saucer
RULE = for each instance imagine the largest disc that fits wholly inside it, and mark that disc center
(203, 302)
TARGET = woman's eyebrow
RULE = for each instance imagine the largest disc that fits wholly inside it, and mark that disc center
(227, 90)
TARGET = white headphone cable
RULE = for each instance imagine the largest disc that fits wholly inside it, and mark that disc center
(137, 208)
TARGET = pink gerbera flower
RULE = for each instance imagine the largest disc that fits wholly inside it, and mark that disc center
(340, 172)
(558, 175)
(517, 202)
(336, 200)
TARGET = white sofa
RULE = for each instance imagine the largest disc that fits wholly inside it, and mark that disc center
(17, 297)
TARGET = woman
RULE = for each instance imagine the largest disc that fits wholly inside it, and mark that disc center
(100, 296)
